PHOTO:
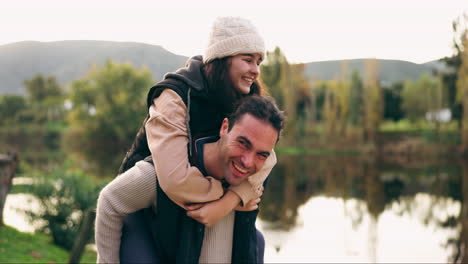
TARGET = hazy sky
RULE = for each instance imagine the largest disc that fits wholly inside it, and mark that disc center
(306, 30)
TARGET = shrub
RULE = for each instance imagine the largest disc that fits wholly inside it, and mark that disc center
(64, 195)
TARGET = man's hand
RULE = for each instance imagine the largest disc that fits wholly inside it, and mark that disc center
(211, 212)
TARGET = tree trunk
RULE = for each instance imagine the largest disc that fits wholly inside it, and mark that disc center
(8, 164)
(84, 236)
(462, 249)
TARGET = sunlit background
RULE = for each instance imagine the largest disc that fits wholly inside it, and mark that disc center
(417, 31)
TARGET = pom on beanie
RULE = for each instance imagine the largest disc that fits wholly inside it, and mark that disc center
(231, 36)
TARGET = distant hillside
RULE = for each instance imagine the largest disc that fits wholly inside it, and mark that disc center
(390, 70)
(71, 60)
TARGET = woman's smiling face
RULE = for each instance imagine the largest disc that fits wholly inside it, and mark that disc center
(244, 70)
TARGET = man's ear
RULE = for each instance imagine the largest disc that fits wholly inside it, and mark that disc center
(224, 127)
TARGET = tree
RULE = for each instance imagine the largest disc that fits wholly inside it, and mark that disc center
(414, 101)
(286, 83)
(421, 97)
(373, 103)
(39, 88)
(330, 110)
(355, 99)
(319, 95)
(64, 196)
(108, 108)
(462, 92)
(273, 69)
(45, 98)
(302, 99)
(10, 107)
(450, 77)
(343, 93)
(393, 102)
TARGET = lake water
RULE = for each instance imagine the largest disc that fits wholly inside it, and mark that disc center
(14, 214)
(353, 209)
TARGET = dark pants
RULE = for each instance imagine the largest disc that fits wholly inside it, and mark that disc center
(137, 244)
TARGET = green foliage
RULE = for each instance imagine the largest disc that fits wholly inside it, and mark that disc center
(331, 108)
(272, 70)
(288, 85)
(18, 247)
(454, 62)
(36, 144)
(41, 88)
(45, 98)
(337, 105)
(373, 101)
(405, 125)
(462, 90)
(355, 98)
(446, 133)
(10, 107)
(33, 125)
(20, 188)
(393, 102)
(108, 108)
(64, 195)
(421, 96)
(320, 90)
(315, 151)
(302, 101)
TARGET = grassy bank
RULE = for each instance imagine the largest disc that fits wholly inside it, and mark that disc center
(301, 151)
(18, 247)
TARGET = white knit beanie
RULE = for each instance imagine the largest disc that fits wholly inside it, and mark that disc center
(231, 36)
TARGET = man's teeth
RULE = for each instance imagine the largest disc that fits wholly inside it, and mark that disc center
(239, 168)
(248, 79)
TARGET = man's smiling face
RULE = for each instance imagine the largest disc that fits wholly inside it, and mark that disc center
(245, 147)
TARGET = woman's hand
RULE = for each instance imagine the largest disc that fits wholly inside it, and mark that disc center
(210, 213)
(252, 204)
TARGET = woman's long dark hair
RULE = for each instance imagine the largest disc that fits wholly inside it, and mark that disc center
(220, 86)
(220, 89)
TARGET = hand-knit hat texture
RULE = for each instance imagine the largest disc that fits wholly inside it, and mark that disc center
(231, 36)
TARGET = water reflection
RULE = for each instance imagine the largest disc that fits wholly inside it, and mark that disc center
(15, 207)
(355, 209)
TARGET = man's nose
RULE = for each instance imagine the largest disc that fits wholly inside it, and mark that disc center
(248, 159)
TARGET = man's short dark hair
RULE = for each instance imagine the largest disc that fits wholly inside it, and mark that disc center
(262, 107)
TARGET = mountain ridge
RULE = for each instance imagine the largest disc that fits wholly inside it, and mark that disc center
(70, 60)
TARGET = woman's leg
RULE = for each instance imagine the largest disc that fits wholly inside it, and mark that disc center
(260, 247)
(137, 244)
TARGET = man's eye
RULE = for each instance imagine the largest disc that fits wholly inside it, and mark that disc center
(262, 156)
